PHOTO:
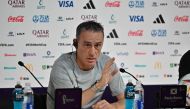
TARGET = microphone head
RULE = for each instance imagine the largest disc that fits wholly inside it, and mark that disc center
(122, 70)
(20, 63)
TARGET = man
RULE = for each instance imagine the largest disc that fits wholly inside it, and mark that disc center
(88, 69)
(184, 74)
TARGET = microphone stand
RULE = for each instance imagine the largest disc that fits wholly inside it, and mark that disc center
(22, 64)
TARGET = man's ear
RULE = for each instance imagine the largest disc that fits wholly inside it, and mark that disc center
(75, 43)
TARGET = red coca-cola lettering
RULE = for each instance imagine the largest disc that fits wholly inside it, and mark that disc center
(112, 4)
(16, 19)
(135, 33)
(181, 19)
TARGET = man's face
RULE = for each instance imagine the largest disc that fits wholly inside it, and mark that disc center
(89, 49)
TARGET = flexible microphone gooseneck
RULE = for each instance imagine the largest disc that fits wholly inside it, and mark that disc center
(22, 65)
(123, 71)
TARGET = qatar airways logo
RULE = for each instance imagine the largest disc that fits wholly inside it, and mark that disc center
(181, 19)
(112, 4)
(41, 33)
(17, 3)
(135, 33)
(16, 19)
(182, 3)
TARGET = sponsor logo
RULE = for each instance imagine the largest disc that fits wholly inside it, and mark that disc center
(11, 34)
(140, 65)
(64, 44)
(16, 19)
(30, 67)
(159, 33)
(119, 43)
(60, 18)
(136, 4)
(89, 5)
(147, 43)
(176, 32)
(112, 19)
(64, 34)
(158, 53)
(176, 53)
(29, 54)
(140, 76)
(69, 18)
(24, 78)
(181, 19)
(20, 34)
(123, 65)
(157, 65)
(9, 55)
(9, 78)
(154, 76)
(122, 53)
(41, 5)
(156, 4)
(186, 32)
(113, 34)
(40, 78)
(40, 18)
(174, 43)
(17, 3)
(89, 17)
(167, 75)
(66, 3)
(41, 33)
(136, 18)
(9, 68)
(48, 55)
(36, 44)
(6, 45)
(182, 3)
(112, 4)
(46, 67)
(140, 53)
(135, 33)
(172, 65)
(159, 20)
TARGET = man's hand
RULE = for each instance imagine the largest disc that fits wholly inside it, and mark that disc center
(103, 104)
(107, 73)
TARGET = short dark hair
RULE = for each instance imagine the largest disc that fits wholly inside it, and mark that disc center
(89, 26)
(184, 67)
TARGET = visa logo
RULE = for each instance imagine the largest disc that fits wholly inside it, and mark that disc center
(136, 18)
(65, 3)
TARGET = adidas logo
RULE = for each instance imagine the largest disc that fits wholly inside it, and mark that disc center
(89, 5)
(159, 19)
(113, 34)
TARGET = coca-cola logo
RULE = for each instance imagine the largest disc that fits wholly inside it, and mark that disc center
(16, 19)
(135, 33)
(112, 4)
(181, 19)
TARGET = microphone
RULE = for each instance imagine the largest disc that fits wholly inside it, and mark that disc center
(22, 65)
(123, 71)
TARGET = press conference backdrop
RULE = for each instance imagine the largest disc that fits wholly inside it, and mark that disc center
(147, 37)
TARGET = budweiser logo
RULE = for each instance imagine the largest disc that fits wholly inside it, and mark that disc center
(112, 4)
(181, 19)
(135, 33)
(16, 19)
